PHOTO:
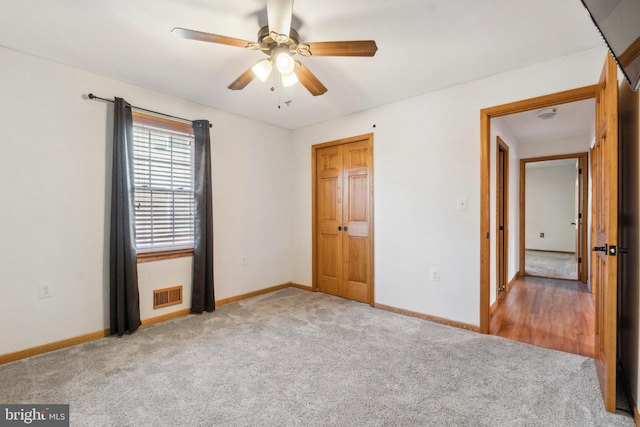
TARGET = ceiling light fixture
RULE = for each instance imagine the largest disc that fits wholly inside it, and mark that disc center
(277, 38)
(284, 61)
(547, 113)
(289, 79)
(262, 69)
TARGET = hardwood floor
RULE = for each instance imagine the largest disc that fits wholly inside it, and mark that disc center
(556, 314)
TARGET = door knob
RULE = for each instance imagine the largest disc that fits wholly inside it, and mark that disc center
(339, 228)
(346, 228)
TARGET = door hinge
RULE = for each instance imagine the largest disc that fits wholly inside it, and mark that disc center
(580, 216)
(580, 171)
(579, 260)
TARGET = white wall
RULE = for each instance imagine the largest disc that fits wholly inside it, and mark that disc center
(550, 206)
(513, 261)
(54, 185)
(54, 182)
(426, 154)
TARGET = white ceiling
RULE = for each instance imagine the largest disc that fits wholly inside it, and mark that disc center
(571, 120)
(423, 45)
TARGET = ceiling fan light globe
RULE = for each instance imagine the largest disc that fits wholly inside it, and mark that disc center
(262, 69)
(289, 79)
(284, 63)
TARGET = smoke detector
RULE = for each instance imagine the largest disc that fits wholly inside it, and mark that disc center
(547, 113)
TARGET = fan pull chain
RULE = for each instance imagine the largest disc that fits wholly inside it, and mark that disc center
(279, 89)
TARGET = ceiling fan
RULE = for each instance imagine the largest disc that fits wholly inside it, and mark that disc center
(280, 42)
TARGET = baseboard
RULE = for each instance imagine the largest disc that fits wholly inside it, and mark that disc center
(158, 319)
(58, 345)
(237, 298)
(428, 317)
(303, 287)
(81, 339)
(46, 348)
(636, 415)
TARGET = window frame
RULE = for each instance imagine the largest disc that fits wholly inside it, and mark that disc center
(140, 118)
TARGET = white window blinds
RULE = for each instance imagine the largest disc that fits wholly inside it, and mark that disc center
(164, 193)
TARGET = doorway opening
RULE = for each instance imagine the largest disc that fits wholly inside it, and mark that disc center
(550, 224)
(553, 217)
(486, 239)
(603, 268)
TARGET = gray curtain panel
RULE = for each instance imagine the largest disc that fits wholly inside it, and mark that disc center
(202, 297)
(123, 268)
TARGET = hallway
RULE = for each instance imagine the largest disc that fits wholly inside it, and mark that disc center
(555, 314)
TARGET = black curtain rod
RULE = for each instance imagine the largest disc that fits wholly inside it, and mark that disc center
(92, 96)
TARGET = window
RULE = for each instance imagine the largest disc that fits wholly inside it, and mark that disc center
(164, 193)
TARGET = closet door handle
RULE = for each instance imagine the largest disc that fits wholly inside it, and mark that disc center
(346, 228)
(339, 228)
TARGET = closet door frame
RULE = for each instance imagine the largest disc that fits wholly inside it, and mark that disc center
(314, 195)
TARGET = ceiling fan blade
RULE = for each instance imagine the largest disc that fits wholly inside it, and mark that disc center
(208, 37)
(345, 48)
(242, 81)
(279, 13)
(308, 80)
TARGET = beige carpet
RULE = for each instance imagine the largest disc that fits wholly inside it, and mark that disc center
(554, 265)
(296, 358)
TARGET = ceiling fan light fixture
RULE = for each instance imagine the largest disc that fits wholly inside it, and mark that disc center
(284, 62)
(289, 79)
(262, 69)
(280, 42)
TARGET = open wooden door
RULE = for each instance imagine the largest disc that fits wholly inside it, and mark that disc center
(604, 230)
(502, 215)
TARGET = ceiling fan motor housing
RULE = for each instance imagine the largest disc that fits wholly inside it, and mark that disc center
(268, 44)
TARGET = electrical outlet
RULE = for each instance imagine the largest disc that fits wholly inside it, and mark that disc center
(45, 289)
(434, 275)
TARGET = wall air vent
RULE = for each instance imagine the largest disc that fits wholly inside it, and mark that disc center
(167, 296)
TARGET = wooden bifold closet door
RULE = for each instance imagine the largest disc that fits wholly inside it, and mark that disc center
(343, 218)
